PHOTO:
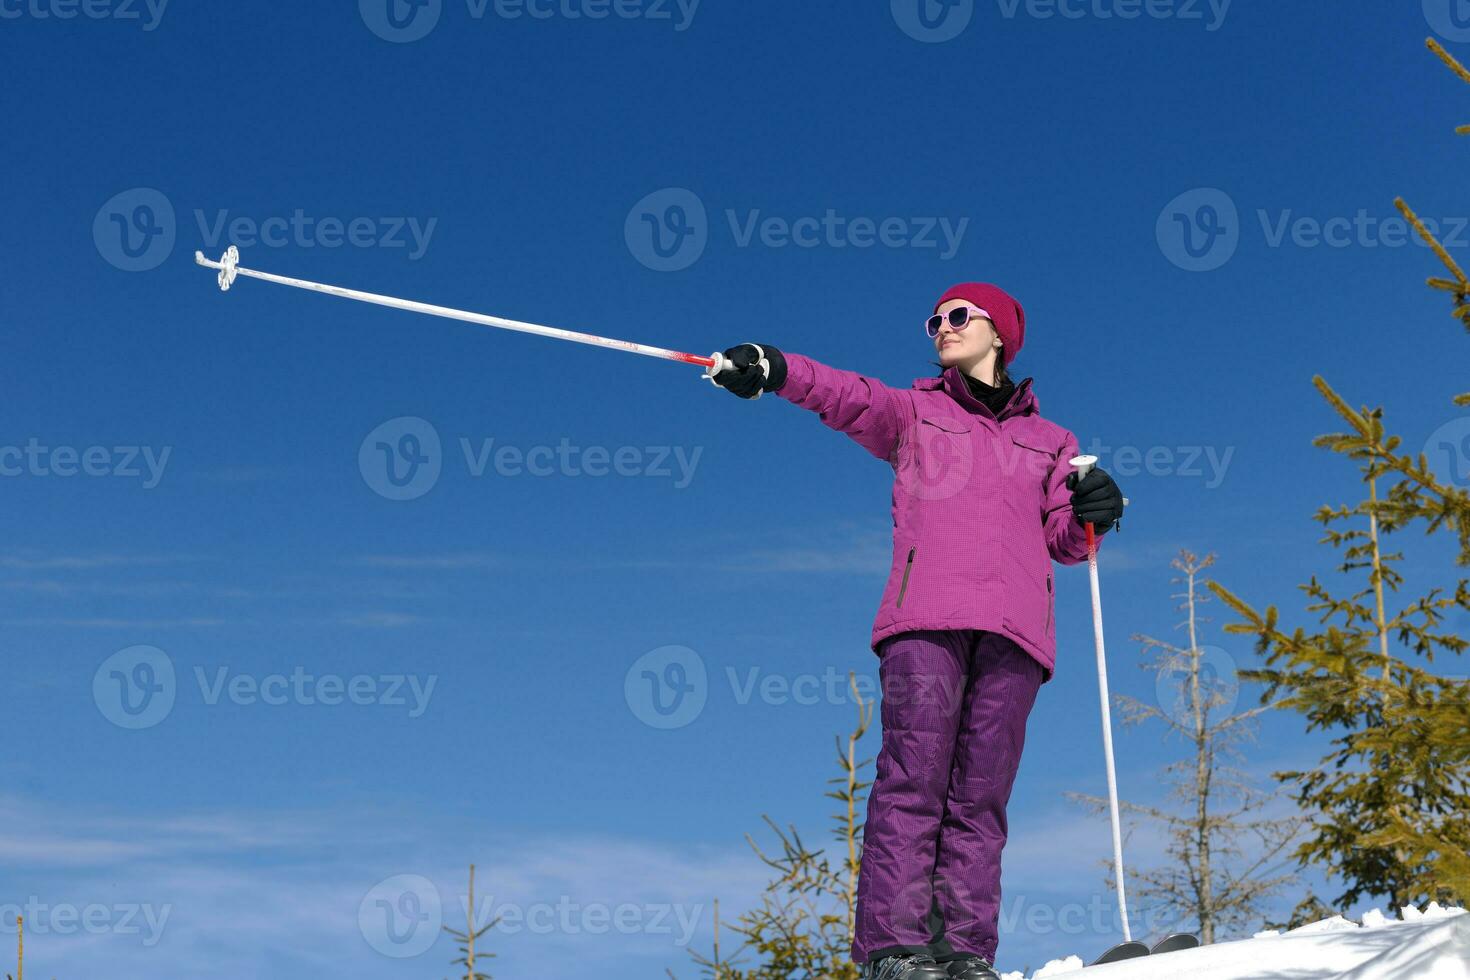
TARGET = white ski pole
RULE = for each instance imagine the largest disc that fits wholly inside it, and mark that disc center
(1083, 465)
(229, 267)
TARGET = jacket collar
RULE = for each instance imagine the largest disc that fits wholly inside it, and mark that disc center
(1023, 401)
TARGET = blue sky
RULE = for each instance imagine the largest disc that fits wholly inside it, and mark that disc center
(197, 474)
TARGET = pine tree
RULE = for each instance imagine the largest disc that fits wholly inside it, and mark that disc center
(1220, 841)
(1391, 800)
(803, 928)
(468, 937)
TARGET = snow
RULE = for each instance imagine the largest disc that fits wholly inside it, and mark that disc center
(1433, 944)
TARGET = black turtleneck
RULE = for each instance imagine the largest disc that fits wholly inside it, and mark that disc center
(994, 398)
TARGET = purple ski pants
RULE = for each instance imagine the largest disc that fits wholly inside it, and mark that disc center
(954, 713)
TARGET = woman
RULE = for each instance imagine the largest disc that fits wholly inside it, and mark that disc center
(984, 500)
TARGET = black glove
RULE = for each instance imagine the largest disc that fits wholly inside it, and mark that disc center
(749, 381)
(1095, 499)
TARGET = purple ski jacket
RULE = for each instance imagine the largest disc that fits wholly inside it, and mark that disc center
(980, 503)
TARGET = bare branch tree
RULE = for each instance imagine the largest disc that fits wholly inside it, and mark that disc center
(1222, 843)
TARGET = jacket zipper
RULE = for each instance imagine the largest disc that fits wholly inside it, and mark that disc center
(1048, 602)
(908, 567)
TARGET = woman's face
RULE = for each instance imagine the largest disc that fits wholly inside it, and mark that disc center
(966, 347)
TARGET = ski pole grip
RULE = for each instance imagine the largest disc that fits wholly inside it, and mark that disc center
(722, 364)
(1084, 465)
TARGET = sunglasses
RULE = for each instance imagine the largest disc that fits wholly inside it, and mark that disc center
(958, 319)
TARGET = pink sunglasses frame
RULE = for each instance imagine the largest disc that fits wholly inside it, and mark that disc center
(971, 312)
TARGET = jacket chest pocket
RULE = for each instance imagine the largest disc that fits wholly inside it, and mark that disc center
(941, 458)
(1030, 463)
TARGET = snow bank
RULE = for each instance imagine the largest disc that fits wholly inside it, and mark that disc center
(1430, 945)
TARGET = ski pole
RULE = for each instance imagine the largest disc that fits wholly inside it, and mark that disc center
(229, 267)
(1083, 465)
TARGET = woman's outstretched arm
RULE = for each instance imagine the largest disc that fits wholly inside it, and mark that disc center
(873, 414)
(870, 412)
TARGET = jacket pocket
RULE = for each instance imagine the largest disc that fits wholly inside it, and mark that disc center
(949, 423)
(1031, 462)
(1050, 602)
(908, 567)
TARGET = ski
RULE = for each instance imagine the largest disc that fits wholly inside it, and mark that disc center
(1174, 943)
(1122, 951)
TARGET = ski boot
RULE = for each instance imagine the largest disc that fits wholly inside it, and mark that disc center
(920, 966)
(972, 968)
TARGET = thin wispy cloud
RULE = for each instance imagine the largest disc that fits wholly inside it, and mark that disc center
(30, 562)
(110, 622)
(447, 562)
(380, 620)
(249, 889)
